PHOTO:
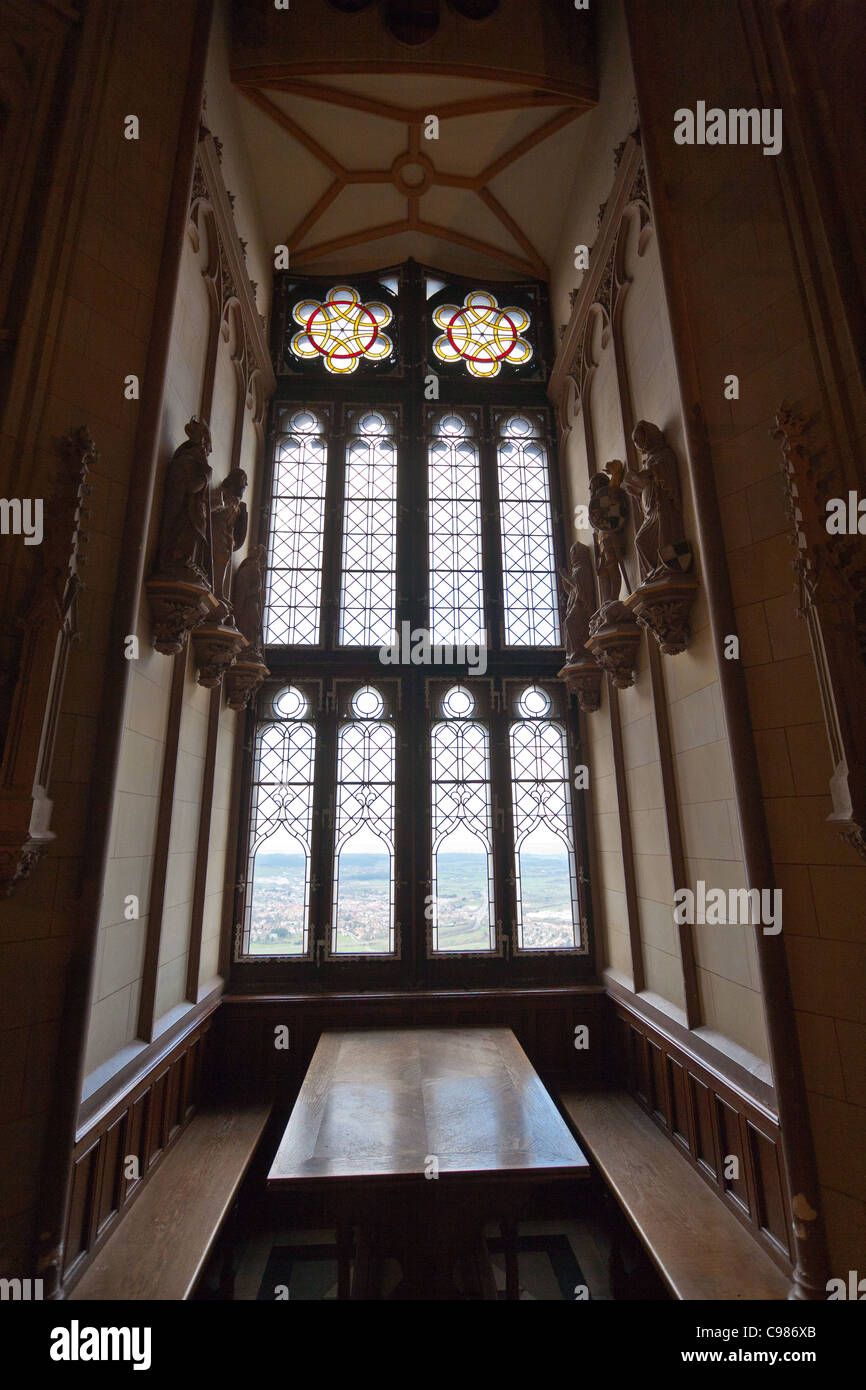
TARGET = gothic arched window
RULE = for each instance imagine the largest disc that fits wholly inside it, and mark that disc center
(411, 815)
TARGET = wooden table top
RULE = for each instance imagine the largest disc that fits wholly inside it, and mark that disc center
(377, 1105)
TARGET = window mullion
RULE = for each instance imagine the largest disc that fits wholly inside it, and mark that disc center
(503, 826)
(491, 536)
(334, 503)
(323, 824)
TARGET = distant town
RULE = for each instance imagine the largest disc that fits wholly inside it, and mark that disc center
(277, 926)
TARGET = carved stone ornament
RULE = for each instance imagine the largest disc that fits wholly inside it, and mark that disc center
(228, 532)
(216, 646)
(663, 608)
(180, 593)
(583, 678)
(217, 641)
(614, 646)
(50, 629)
(579, 585)
(830, 573)
(614, 636)
(249, 670)
(663, 600)
(580, 673)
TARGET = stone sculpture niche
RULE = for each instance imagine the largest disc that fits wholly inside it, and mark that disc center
(180, 592)
(581, 672)
(248, 595)
(614, 636)
(663, 600)
(217, 641)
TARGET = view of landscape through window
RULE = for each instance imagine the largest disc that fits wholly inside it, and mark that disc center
(325, 865)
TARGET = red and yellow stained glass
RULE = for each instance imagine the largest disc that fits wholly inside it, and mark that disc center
(482, 334)
(342, 330)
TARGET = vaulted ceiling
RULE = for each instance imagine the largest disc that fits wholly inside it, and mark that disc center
(352, 173)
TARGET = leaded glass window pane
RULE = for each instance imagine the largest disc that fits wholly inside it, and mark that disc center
(367, 616)
(297, 529)
(528, 563)
(454, 531)
(278, 898)
(547, 901)
(462, 875)
(364, 844)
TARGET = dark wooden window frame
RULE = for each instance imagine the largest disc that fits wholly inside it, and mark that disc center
(328, 667)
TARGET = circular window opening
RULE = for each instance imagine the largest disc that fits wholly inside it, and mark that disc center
(367, 703)
(534, 702)
(290, 703)
(458, 703)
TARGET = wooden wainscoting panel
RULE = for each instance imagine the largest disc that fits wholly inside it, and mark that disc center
(733, 1158)
(659, 1084)
(680, 1128)
(110, 1189)
(82, 1204)
(543, 1021)
(141, 1124)
(705, 1148)
(770, 1200)
(710, 1119)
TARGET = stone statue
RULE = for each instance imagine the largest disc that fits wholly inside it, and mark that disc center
(608, 512)
(185, 533)
(229, 527)
(580, 588)
(661, 547)
(248, 598)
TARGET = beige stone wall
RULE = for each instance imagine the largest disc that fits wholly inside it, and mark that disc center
(730, 1007)
(113, 1029)
(88, 324)
(775, 320)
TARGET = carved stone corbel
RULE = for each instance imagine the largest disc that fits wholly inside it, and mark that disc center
(831, 580)
(663, 600)
(614, 636)
(50, 628)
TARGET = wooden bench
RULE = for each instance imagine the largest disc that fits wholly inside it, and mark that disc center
(160, 1247)
(699, 1249)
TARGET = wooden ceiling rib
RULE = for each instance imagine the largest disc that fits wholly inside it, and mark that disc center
(294, 81)
(581, 94)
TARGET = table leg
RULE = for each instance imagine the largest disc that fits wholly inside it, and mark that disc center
(508, 1231)
(344, 1260)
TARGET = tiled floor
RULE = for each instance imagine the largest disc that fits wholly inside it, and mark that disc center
(558, 1259)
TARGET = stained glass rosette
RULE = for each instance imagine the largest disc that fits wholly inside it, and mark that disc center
(482, 335)
(342, 330)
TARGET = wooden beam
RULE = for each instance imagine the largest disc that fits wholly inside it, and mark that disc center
(470, 181)
(369, 176)
(514, 230)
(583, 95)
(507, 101)
(528, 143)
(324, 248)
(409, 115)
(475, 244)
(336, 96)
(286, 123)
(296, 237)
